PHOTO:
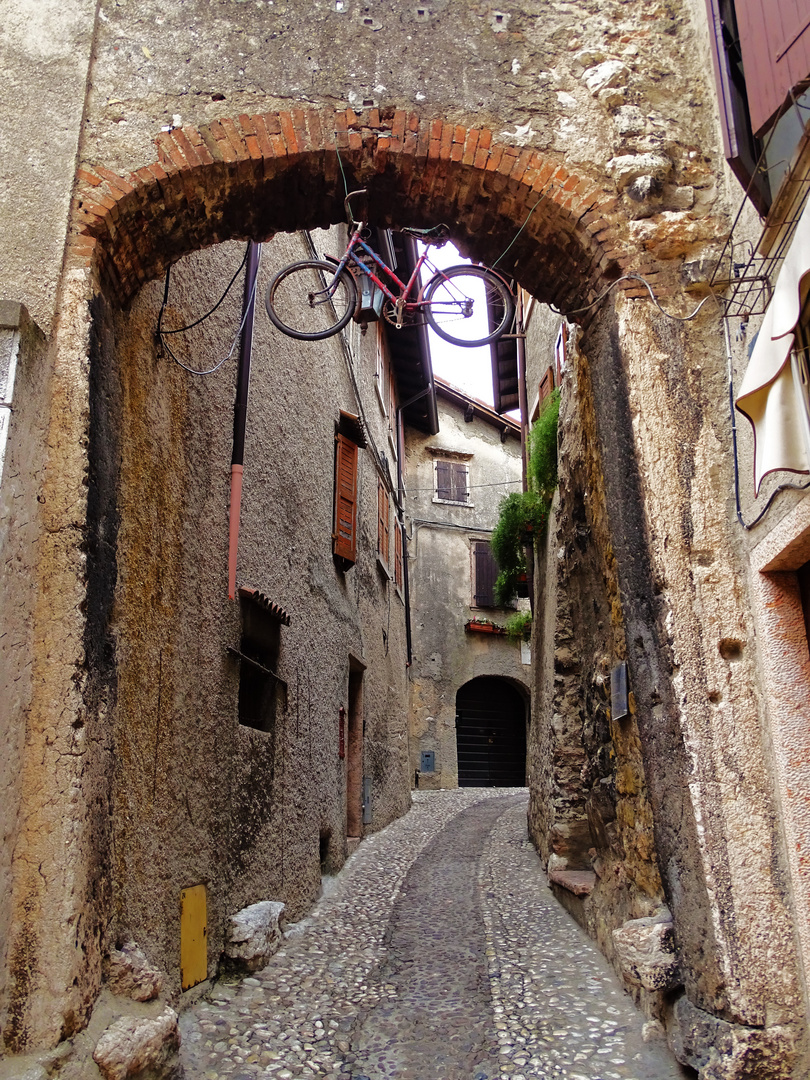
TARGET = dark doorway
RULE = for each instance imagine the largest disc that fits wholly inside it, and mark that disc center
(490, 734)
(354, 754)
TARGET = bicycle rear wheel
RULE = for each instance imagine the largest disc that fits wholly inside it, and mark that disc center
(468, 305)
(298, 300)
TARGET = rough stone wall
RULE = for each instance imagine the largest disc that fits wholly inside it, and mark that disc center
(442, 584)
(588, 807)
(46, 48)
(604, 109)
(199, 798)
(22, 342)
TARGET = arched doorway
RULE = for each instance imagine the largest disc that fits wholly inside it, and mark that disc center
(490, 734)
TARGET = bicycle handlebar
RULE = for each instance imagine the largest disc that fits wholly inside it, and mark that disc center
(351, 195)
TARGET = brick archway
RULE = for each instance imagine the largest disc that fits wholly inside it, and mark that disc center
(279, 171)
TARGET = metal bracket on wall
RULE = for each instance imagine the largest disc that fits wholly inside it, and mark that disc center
(366, 800)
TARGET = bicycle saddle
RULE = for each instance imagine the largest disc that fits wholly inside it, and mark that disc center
(437, 235)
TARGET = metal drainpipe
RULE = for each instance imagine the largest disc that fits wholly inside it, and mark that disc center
(520, 333)
(400, 525)
(240, 410)
(520, 336)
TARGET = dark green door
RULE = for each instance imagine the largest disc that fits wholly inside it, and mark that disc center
(490, 734)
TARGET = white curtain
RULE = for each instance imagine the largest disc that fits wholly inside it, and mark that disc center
(773, 394)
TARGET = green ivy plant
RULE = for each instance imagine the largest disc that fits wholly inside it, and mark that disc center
(523, 514)
(519, 626)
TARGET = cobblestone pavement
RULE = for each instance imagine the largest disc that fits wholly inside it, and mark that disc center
(438, 953)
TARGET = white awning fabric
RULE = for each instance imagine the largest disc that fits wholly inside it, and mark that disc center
(768, 395)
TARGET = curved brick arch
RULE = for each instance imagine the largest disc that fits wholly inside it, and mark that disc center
(252, 177)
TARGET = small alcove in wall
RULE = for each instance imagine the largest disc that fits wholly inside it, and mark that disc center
(261, 692)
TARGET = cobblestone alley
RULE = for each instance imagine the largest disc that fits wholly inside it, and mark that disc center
(439, 953)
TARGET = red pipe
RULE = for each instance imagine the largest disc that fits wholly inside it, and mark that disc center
(240, 412)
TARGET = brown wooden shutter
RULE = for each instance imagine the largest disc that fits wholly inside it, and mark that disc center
(740, 147)
(398, 554)
(443, 480)
(775, 43)
(344, 538)
(382, 522)
(486, 570)
(546, 386)
(458, 482)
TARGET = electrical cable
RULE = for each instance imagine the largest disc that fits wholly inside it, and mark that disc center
(470, 487)
(647, 286)
(522, 227)
(161, 334)
(340, 163)
(202, 318)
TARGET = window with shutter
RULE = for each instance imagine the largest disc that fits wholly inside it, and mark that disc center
(382, 523)
(344, 537)
(398, 554)
(774, 37)
(485, 570)
(546, 386)
(451, 481)
(742, 149)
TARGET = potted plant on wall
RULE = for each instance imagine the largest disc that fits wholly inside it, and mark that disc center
(523, 514)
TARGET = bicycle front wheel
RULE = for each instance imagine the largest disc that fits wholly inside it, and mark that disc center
(468, 305)
(305, 301)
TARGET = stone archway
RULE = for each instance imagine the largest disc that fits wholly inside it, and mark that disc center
(257, 175)
(277, 171)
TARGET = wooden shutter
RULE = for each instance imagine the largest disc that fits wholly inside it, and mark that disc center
(740, 146)
(398, 554)
(775, 43)
(559, 353)
(344, 538)
(458, 479)
(546, 386)
(443, 482)
(486, 570)
(451, 481)
(382, 522)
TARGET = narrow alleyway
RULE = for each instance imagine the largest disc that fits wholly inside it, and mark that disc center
(439, 953)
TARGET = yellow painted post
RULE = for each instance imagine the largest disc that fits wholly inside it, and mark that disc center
(193, 936)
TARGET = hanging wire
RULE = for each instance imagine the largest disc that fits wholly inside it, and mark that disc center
(342, 173)
(648, 287)
(163, 334)
(543, 195)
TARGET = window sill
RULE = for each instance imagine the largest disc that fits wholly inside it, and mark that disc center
(383, 568)
(452, 502)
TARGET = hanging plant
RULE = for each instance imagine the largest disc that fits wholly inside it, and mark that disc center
(519, 626)
(523, 514)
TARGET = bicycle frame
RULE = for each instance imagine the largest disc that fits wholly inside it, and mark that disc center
(405, 288)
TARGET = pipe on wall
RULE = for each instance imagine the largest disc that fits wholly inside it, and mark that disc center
(240, 410)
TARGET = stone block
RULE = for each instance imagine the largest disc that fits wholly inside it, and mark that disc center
(629, 120)
(719, 1050)
(138, 1048)
(131, 974)
(253, 935)
(646, 952)
(578, 882)
(608, 74)
(629, 167)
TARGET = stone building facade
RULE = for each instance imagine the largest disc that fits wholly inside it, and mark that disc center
(574, 143)
(450, 569)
